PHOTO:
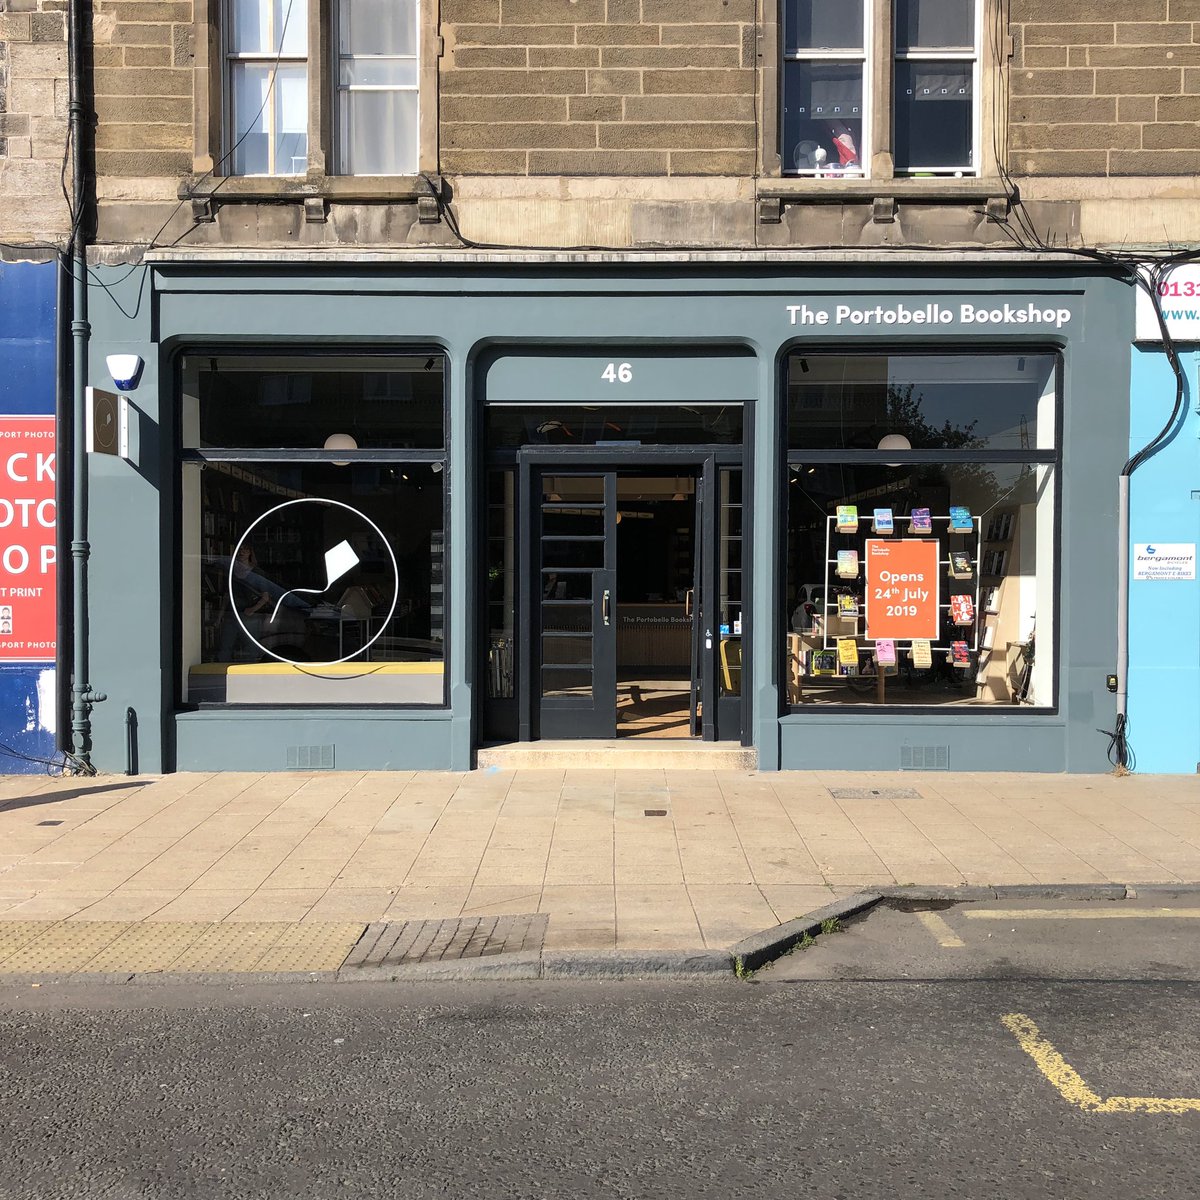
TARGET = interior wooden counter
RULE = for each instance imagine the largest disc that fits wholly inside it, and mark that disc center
(653, 635)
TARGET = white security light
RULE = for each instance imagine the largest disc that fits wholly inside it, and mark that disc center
(125, 369)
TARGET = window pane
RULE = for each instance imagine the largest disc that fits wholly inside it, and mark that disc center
(567, 651)
(822, 116)
(933, 110)
(269, 138)
(381, 403)
(335, 563)
(291, 121)
(270, 26)
(938, 402)
(566, 681)
(378, 72)
(989, 593)
(580, 425)
(935, 24)
(377, 27)
(251, 139)
(378, 133)
(823, 25)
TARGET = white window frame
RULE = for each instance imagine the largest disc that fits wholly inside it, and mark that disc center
(834, 56)
(231, 58)
(341, 91)
(973, 55)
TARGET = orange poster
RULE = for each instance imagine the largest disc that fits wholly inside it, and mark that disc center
(902, 588)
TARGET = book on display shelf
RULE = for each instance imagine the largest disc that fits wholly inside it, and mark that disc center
(847, 652)
(962, 610)
(920, 521)
(847, 518)
(960, 519)
(847, 604)
(960, 564)
(885, 652)
(922, 654)
(824, 662)
(847, 564)
(883, 522)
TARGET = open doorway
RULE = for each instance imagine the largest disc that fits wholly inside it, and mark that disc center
(656, 577)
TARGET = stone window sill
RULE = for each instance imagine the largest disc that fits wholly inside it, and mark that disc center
(343, 188)
(933, 190)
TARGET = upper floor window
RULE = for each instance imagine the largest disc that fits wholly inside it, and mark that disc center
(374, 52)
(266, 87)
(860, 77)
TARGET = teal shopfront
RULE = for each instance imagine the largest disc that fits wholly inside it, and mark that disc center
(376, 515)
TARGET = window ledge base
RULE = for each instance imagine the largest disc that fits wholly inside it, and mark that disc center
(794, 190)
(295, 189)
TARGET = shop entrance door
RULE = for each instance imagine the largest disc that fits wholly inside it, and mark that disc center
(573, 580)
(623, 614)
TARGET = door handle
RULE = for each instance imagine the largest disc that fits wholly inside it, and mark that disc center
(687, 602)
(604, 606)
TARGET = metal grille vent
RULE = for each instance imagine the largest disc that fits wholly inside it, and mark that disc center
(924, 758)
(310, 758)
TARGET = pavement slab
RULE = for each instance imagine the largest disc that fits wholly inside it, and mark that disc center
(644, 860)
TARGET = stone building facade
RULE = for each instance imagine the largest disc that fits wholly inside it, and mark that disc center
(622, 123)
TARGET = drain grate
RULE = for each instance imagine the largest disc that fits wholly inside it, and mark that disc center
(875, 793)
(388, 944)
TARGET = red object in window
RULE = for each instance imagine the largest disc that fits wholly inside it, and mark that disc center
(843, 142)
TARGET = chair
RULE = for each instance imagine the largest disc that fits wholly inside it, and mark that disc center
(731, 665)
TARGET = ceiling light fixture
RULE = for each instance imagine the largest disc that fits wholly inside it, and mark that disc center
(340, 441)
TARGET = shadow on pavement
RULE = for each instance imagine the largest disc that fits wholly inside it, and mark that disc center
(72, 794)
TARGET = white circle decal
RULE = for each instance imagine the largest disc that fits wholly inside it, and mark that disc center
(339, 559)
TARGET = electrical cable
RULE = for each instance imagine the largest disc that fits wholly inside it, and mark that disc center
(59, 767)
(268, 95)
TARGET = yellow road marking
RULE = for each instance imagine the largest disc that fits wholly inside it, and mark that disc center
(946, 937)
(1070, 1083)
(1076, 914)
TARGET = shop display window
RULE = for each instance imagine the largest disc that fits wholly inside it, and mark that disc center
(312, 572)
(921, 530)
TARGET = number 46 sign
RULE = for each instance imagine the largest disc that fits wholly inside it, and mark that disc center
(902, 588)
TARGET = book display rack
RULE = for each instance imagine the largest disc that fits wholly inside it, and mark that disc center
(953, 608)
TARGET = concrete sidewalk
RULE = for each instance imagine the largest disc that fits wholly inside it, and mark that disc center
(619, 860)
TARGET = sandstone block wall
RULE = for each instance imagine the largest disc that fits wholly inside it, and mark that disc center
(1105, 87)
(33, 121)
(598, 87)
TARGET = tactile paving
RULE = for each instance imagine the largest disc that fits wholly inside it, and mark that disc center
(63, 947)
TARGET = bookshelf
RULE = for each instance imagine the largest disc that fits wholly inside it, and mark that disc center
(996, 611)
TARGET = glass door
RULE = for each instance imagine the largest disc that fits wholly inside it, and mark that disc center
(573, 589)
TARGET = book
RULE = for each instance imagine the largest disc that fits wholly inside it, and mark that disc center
(847, 604)
(847, 564)
(920, 521)
(847, 652)
(922, 655)
(959, 654)
(960, 519)
(824, 662)
(883, 522)
(847, 518)
(960, 564)
(885, 652)
(962, 610)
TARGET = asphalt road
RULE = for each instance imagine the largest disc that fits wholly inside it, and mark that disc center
(813, 1089)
